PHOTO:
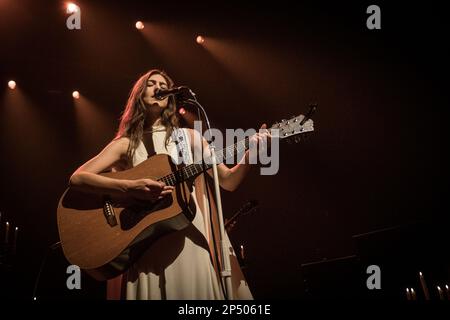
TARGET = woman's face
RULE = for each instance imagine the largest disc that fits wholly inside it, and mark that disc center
(156, 81)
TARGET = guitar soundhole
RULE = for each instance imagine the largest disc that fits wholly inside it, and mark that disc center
(133, 214)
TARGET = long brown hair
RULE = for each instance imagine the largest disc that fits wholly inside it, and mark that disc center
(132, 121)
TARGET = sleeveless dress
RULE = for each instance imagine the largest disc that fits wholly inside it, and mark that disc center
(179, 265)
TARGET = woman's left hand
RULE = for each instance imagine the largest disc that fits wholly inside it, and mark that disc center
(258, 142)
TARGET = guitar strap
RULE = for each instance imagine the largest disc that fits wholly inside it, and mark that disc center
(147, 139)
(180, 139)
(181, 142)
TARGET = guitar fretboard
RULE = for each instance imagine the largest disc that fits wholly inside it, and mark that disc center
(194, 169)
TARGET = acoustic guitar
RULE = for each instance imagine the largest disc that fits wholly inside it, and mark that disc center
(104, 235)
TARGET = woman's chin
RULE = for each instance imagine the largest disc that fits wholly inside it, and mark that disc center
(157, 105)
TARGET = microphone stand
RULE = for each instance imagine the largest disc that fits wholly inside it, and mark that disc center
(226, 263)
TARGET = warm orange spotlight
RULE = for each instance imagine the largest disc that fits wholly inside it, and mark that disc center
(12, 84)
(182, 110)
(200, 39)
(139, 25)
(72, 8)
(76, 95)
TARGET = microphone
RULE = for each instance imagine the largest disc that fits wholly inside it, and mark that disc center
(162, 94)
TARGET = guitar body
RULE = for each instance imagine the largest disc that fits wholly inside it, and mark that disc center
(104, 236)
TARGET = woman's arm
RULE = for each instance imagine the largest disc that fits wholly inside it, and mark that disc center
(87, 176)
(231, 178)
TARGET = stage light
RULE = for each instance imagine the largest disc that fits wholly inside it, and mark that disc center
(182, 111)
(76, 94)
(72, 7)
(12, 84)
(139, 25)
(200, 39)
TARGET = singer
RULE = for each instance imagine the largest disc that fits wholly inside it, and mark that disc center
(182, 264)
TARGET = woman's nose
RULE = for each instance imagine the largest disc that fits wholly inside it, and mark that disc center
(156, 88)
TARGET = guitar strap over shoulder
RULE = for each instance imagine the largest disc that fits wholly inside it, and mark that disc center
(147, 139)
(181, 141)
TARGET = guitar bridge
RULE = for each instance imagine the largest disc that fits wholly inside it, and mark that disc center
(108, 211)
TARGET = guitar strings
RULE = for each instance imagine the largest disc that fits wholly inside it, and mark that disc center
(193, 169)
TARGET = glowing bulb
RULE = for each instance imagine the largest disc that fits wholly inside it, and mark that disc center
(139, 25)
(76, 94)
(200, 39)
(12, 84)
(72, 7)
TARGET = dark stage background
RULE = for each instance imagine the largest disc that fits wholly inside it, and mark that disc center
(368, 186)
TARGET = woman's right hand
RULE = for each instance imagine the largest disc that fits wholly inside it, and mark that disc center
(148, 189)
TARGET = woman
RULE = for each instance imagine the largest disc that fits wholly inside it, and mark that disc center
(181, 264)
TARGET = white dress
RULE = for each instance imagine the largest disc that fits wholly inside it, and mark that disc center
(179, 265)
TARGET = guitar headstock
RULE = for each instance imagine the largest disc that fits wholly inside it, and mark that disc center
(293, 129)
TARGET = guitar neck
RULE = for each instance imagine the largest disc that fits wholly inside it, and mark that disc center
(193, 170)
(286, 129)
